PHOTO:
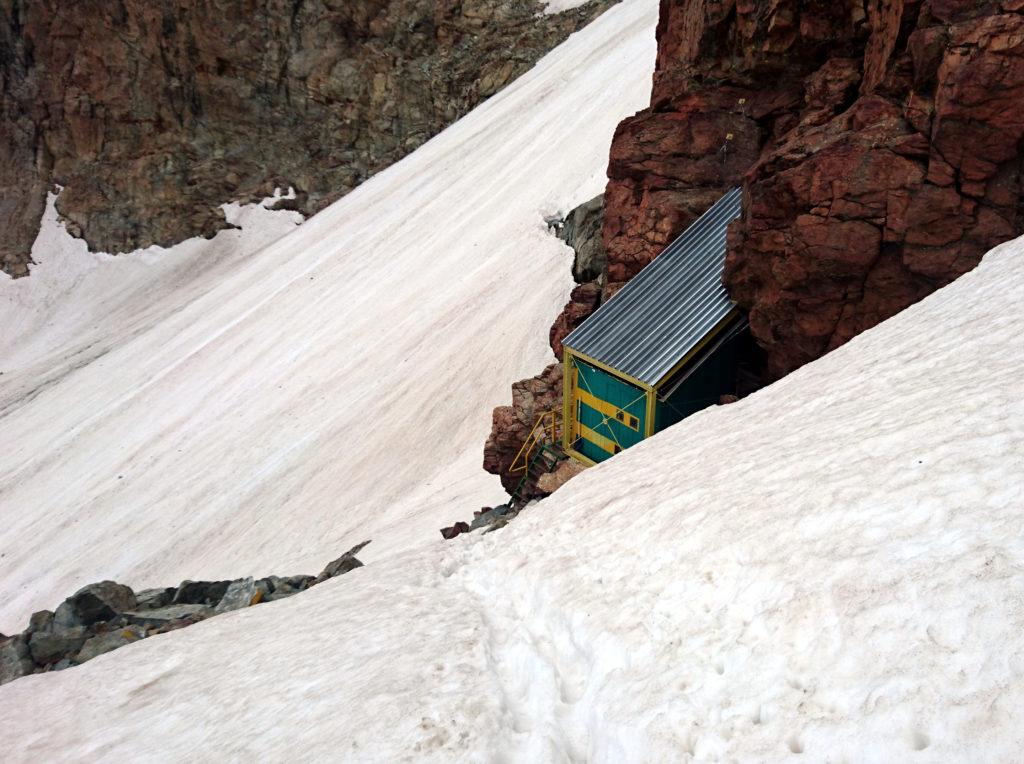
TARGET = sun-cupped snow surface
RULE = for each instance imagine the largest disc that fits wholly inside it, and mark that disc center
(831, 569)
(335, 386)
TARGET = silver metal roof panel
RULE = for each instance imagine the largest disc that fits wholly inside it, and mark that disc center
(667, 308)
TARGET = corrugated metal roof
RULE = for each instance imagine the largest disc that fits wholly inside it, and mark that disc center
(667, 308)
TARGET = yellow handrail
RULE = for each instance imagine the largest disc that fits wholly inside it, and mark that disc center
(546, 425)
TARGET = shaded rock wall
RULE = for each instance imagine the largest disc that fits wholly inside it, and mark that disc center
(878, 143)
(152, 114)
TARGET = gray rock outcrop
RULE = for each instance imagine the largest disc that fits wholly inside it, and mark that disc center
(95, 602)
(581, 230)
(105, 616)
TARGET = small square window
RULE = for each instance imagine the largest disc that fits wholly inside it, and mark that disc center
(619, 416)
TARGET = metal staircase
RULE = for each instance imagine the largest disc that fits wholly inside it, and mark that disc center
(540, 453)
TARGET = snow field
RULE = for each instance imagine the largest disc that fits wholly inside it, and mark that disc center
(334, 386)
(831, 569)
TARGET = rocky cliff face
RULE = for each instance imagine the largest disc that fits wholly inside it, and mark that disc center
(878, 144)
(153, 113)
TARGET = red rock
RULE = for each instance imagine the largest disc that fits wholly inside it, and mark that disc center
(583, 300)
(454, 530)
(511, 425)
(884, 162)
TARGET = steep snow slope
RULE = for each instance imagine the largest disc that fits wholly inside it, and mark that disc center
(334, 387)
(833, 567)
(80, 304)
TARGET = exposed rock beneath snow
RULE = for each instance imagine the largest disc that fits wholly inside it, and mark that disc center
(95, 602)
(104, 616)
(15, 659)
(566, 470)
(279, 588)
(57, 642)
(511, 425)
(488, 515)
(342, 565)
(581, 230)
(200, 592)
(881, 144)
(104, 643)
(157, 618)
(491, 518)
(451, 531)
(239, 594)
(150, 599)
(152, 128)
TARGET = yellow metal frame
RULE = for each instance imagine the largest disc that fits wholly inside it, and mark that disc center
(569, 396)
(540, 429)
(605, 444)
(605, 367)
(571, 427)
(568, 413)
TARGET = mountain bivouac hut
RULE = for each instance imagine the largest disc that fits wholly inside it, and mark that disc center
(665, 346)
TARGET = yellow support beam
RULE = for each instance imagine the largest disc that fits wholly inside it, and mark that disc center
(568, 401)
(581, 458)
(612, 412)
(614, 372)
(599, 440)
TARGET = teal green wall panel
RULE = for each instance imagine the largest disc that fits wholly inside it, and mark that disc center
(620, 394)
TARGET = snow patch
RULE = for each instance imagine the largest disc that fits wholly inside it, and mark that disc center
(77, 297)
(832, 568)
(559, 6)
(214, 413)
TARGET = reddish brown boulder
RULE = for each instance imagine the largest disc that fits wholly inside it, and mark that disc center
(879, 146)
(511, 425)
(583, 301)
(454, 530)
